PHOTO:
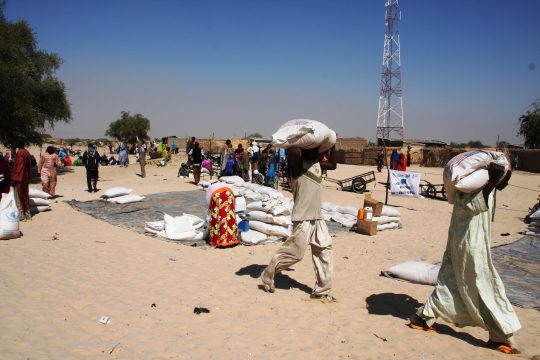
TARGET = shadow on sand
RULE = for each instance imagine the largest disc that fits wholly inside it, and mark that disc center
(281, 281)
(402, 306)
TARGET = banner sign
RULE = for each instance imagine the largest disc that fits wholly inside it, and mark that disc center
(405, 183)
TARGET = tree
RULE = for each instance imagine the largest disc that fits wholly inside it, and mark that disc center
(255, 135)
(31, 97)
(529, 126)
(133, 129)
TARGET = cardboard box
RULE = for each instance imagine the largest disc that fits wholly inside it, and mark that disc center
(376, 205)
(366, 227)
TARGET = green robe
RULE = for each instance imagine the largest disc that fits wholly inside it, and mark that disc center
(469, 291)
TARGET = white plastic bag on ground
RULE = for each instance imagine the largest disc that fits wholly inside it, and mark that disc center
(463, 165)
(126, 199)
(35, 193)
(116, 191)
(39, 202)
(305, 134)
(416, 271)
(9, 217)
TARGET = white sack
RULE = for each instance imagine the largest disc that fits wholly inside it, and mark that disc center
(252, 237)
(155, 225)
(38, 209)
(116, 191)
(465, 164)
(416, 271)
(328, 206)
(386, 219)
(233, 179)
(35, 193)
(350, 210)
(39, 202)
(389, 211)
(346, 220)
(126, 199)
(210, 190)
(387, 226)
(535, 215)
(305, 134)
(327, 215)
(472, 182)
(269, 218)
(9, 216)
(269, 229)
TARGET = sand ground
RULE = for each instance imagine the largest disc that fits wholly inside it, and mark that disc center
(69, 269)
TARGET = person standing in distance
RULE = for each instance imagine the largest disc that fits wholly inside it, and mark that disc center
(91, 160)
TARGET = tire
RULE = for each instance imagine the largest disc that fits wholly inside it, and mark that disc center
(431, 192)
(258, 179)
(359, 185)
(443, 193)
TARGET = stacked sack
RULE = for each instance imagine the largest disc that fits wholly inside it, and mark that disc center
(121, 195)
(534, 226)
(348, 216)
(267, 211)
(39, 201)
(467, 172)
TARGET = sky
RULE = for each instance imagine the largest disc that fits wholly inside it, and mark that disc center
(228, 68)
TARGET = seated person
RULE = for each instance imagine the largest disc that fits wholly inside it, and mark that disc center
(104, 160)
(113, 161)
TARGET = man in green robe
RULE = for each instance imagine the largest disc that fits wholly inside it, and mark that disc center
(469, 291)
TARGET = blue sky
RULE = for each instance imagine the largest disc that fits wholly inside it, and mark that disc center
(230, 67)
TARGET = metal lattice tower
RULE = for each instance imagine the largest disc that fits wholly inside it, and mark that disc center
(390, 116)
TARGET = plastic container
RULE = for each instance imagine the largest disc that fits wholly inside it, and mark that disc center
(243, 225)
(368, 214)
(361, 214)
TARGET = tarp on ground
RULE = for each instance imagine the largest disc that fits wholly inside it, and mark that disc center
(133, 216)
(518, 265)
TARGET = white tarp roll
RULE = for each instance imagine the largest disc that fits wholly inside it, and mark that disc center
(405, 183)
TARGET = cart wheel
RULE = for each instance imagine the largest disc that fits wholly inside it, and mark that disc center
(359, 185)
(443, 193)
(431, 192)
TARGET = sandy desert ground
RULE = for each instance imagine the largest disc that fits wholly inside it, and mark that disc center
(69, 269)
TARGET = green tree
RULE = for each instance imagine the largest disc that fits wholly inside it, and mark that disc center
(476, 144)
(31, 97)
(529, 126)
(133, 129)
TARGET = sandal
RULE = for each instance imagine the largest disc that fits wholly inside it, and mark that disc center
(326, 299)
(418, 323)
(503, 347)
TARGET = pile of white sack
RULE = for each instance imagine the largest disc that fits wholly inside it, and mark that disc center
(467, 172)
(534, 225)
(39, 201)
(121, 195)
(180, 228)
(347, 216)
(267, 210)
(304, 134)
(9, 216)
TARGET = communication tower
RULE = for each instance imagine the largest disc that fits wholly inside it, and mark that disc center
(390, 115)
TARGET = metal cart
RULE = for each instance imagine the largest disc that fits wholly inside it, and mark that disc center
(357, 184)
(430, 190)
